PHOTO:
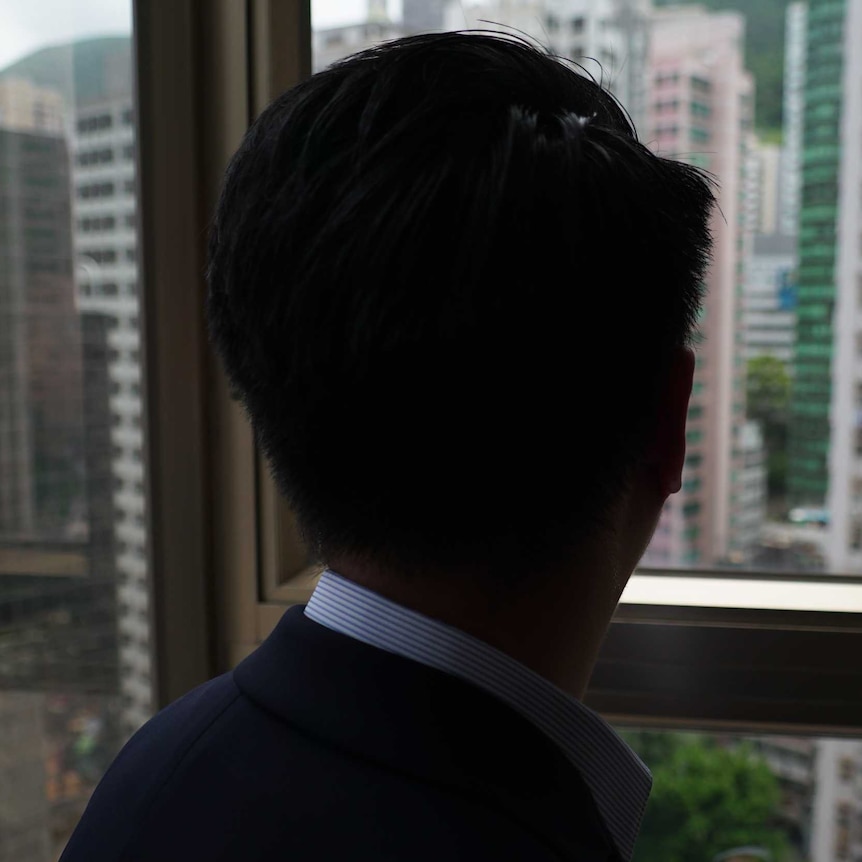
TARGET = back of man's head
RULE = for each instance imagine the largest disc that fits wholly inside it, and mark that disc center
(446, 281)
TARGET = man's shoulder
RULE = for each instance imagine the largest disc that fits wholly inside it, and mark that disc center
(330, 748)
(216, 777)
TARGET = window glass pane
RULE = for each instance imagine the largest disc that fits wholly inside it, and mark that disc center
(773, 476)
(75, 660)
(746, 798)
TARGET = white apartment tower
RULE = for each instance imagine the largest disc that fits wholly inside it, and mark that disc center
(700, 110)
(844, 499)
(609, 39)
(793, 109)
(837, 807)
(105, 239)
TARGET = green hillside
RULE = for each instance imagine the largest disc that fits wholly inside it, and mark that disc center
(764, 52)
(84, 71)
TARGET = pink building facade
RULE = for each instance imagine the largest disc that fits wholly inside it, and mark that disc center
(700, 110)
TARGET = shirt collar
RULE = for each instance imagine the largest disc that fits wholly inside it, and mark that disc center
(616, 777)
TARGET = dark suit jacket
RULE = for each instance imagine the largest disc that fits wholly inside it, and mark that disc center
(320, 747)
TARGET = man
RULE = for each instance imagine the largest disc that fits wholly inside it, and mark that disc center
(456, 296)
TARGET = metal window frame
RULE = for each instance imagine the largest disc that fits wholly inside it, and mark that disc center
(226, 557)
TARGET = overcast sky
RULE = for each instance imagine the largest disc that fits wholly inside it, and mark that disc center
(27, 25)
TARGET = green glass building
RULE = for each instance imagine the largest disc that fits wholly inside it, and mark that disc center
(809, 432)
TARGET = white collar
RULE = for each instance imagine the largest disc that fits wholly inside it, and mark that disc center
(615, 775)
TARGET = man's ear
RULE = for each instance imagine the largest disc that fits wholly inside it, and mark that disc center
(668, 445)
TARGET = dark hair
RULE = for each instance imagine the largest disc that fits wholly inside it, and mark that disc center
(445, 280)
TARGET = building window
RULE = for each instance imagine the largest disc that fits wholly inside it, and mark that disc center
(86, 225)
(101, 255)
(95, 190)
(578, 24)
(95, 123)
(95, 157)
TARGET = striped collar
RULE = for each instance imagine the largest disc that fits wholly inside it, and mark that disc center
(618, 780)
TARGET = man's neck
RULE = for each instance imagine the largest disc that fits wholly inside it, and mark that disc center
(554, 624)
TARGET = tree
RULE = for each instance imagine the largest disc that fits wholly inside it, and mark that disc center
(768, 402)
(706, 799)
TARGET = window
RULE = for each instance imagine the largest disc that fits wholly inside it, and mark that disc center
(98, 223)
(664, 79)
(95, 190)
(94, 123)
(764, 592)
(95, 157)
(64, 663)
(731, 521)
(100, 255)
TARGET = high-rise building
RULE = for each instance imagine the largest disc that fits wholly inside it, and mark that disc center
(421, 16)
(609, 39)
(765, 166)
(837, 806)
(793, 761)
(106, 253)
(792, 123)
(27, 107)
(829, 68)
(751, 489)
(94, 76)
(41, 422)
(769, 300)
(332, 43)
(771, 270)
(825, 447)
(700, 110)
(57, 591)
(516, 17)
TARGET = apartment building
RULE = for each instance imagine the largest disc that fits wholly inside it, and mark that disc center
(700, 110)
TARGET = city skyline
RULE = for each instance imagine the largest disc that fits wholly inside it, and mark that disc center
(104, 231)
(30, 27)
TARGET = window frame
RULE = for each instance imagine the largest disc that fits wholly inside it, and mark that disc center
(225, 554)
